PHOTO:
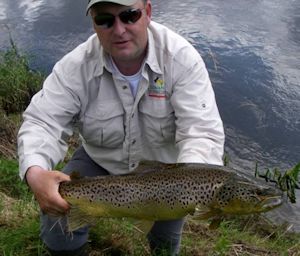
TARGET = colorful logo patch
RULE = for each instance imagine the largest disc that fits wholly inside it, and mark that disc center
(157, 89)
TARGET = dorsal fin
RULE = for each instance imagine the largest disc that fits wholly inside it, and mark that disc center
(150, 166)
(75, 175)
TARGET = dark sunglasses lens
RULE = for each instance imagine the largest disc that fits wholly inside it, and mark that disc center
(130, 16)
(104, 20)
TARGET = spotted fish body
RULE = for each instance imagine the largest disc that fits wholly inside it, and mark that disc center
(166, 191)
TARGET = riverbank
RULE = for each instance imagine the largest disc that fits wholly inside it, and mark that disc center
(19, 215)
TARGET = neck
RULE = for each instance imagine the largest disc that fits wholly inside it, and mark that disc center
(129, 68)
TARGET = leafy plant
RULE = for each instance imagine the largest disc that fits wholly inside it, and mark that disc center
(288, 181)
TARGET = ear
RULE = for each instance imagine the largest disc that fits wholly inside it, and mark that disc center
(148, 8)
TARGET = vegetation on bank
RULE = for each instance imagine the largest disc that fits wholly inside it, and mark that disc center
(19, 214)
(288, 181)
(18, 83)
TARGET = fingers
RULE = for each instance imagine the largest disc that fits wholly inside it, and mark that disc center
(45, 185)
(60, 176)
(53, 204)
(63, 204)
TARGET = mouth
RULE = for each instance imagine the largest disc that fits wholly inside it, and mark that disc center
(271, 202)
(121, 43)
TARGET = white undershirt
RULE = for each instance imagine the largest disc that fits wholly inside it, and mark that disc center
(133, 80)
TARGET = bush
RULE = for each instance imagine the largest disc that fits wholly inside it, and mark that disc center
(9, 126)
(17, 82)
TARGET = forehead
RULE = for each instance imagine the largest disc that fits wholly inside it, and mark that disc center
(114, 8)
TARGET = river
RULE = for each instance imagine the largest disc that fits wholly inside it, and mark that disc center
(251, 49)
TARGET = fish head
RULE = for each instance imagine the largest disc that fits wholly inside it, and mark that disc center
(242, 196)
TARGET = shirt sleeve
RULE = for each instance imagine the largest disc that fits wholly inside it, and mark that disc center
(199, 128)
(48, 123)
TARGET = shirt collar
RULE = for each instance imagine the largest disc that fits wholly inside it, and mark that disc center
(151, 58)
(103, 62)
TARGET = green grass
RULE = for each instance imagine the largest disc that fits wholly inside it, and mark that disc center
(10, 183)
(118, 237)
(22, 239)
(19, 224)
(17, 82)
(243, 236)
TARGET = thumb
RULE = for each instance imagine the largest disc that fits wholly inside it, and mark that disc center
(60, 176)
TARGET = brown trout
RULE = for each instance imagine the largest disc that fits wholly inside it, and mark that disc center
(167, 191)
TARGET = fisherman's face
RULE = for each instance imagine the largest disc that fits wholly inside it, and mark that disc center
(124, 42)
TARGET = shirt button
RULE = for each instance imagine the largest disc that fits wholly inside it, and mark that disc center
(124, 87)
(133, 142)
(132, 116)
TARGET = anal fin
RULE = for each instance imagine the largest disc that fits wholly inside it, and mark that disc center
(143, 226)
(76, 219)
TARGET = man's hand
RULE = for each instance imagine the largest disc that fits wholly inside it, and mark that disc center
(44, 184)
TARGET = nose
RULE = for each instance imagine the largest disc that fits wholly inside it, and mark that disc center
(119, 27)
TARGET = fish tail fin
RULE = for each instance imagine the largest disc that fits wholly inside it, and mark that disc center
(77, 218)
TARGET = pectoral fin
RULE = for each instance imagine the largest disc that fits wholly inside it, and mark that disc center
(204, 213)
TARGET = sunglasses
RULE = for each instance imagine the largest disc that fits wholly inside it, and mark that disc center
(107, 20)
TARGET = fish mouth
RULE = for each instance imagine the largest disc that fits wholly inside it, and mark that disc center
(271, 202)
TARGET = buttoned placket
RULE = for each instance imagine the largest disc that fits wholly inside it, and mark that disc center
(133, 142)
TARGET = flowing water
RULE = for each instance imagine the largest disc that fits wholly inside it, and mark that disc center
(251, 49)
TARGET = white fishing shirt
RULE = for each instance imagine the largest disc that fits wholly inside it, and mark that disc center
(172, 118)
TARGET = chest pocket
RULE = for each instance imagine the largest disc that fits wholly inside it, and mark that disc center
(103, 125)
(157, 121)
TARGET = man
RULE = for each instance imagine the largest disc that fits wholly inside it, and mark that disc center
(136, 91)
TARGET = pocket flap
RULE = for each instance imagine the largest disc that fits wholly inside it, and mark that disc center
(158, 109)
(106, 110)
